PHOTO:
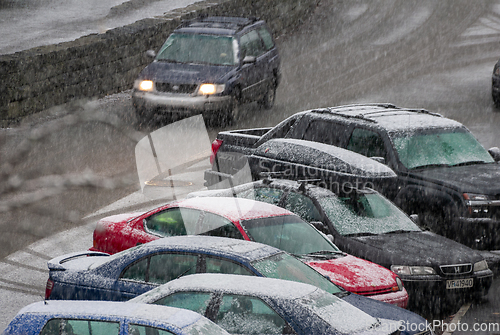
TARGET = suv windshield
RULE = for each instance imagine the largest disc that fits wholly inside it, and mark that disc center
(283, 232)
(199, 49)
(287, 267)
(365, 214)
(440, 148)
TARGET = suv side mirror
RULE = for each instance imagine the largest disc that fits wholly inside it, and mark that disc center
(249, 59)
(495, 153)
(150, 54)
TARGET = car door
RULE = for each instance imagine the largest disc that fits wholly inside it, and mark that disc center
(150, 271)
(252, 73)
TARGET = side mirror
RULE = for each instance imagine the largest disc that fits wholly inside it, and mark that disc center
(150, 54)
(414, 218)
(495, 153)
(249, 59)
(320, 226)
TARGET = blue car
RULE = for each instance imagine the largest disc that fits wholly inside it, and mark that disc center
(127, 274)
(257, 305)
(108, 318)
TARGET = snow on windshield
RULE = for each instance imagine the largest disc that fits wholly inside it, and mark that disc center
(455, 146)
(365, 213)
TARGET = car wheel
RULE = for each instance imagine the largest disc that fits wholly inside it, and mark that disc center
(233, 114)
(142, 118)
(496, 100)
(268, 100)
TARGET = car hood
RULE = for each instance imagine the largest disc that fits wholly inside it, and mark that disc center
(416, 248)
(379, 309)
(478, 178)
(178, 73)
(354, 274)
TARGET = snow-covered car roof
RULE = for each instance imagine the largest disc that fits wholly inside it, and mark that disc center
(236, 284)
(177, 317)
(243, 209)
(390, 117)
(238, 249)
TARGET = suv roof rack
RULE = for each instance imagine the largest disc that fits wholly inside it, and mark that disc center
(228, 22)
(343, 111)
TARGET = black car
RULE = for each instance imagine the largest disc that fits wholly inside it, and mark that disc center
(364, 223)
(210, 66)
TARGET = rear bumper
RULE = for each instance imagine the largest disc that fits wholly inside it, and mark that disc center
(483, 231)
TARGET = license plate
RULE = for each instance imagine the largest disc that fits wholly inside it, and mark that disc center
(459, 283)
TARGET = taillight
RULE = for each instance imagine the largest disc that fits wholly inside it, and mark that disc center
(215, 147)
(48, 288)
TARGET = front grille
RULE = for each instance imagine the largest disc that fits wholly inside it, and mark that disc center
(176, 88)
(375, 292)
(457, 269)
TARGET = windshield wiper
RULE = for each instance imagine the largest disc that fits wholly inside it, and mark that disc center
(325, 254)
(470, 163)
(429, 166)
(400, 231)
(361, 234)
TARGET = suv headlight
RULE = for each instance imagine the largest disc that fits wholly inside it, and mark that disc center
(209, 89)
(480, 266)
(144, 85)
(406, 270)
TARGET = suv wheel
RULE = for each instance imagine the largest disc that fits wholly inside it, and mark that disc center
(233, 113)
(268, 100)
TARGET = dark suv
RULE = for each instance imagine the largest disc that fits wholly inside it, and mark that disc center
(444, 174)
(210, 66)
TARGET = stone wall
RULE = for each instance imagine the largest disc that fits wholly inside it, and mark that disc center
(100, 64)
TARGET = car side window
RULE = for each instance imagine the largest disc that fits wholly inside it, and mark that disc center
(303, 206)
(134, 329)
(239, 314)
(194, 301)
(137, 271)
(266, 38)
(325, 132)
(367, 143)
(166, 267)
(216, 225)
(161, 268)
(80, 327)
(251, 44)
(173, 222)
(219, 265)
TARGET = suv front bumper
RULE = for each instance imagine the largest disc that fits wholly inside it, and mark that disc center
(180, 102)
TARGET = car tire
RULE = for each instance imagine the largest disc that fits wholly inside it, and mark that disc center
(496, 100)
(267, 102)
(233, 113)
(142, 118)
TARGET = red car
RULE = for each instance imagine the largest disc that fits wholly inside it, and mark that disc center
(255, 221)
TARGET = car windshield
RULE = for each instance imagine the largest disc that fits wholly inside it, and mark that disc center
(365, 214)
(448, 147)
(287, 267)
(199, 49)
(284, 232)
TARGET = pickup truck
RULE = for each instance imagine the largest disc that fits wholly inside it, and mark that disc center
(428, 165)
